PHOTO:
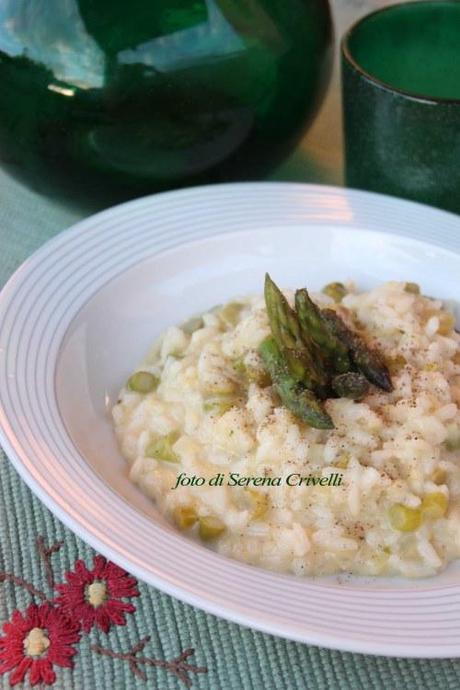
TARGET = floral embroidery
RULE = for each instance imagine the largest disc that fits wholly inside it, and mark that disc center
(37, 641)
(42, 637)
(179, 666)
(93, 596)
(45, 554)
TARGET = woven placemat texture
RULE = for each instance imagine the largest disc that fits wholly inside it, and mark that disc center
(235, 657)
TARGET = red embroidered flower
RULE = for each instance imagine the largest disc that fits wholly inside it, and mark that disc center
(35, 642)
(93, 596)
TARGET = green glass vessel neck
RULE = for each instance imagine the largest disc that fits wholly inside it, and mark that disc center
(413, 48)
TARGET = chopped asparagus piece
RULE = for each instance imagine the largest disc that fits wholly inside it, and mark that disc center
(404, 519)
(230, 314)
(439, 476)
(220, 405)
(185, 517)
(239, 366)
(192, 325)
(259, 503)
(434, 506)
(452, 441)
(162, 448)
(210, 528)
(251, 373)
(446, 323)
(396, 364)
(143, 382)
(336, 291)
(342, 461)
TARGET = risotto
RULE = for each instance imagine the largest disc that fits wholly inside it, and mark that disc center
(367, 484)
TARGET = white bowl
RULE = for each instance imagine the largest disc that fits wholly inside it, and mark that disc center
(79, 316)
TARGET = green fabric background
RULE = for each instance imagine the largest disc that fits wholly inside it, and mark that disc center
(237, 658)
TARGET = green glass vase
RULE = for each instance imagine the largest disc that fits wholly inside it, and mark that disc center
(109, 99)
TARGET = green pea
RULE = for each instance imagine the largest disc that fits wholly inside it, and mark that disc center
(143, 382)
(336, 291)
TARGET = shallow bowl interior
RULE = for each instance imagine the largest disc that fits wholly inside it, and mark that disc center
(113, 331)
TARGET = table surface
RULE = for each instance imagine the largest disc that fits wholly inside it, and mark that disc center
(234, 657)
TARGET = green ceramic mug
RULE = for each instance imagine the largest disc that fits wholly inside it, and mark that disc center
(401, 102)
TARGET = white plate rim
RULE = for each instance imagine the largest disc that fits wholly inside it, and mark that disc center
(329, 204)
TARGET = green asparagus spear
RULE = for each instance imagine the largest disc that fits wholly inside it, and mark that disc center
(303, 369)
(313, 324)
(367, 361)
(300, 353)
(350, 385)
(302, 402)
(283, 320)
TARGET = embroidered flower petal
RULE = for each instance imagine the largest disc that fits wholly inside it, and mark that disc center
(19, 673)
(21, 650)
(93, 597)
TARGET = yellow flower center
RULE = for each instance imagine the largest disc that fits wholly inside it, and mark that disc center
(36, 643)
(96, 593)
